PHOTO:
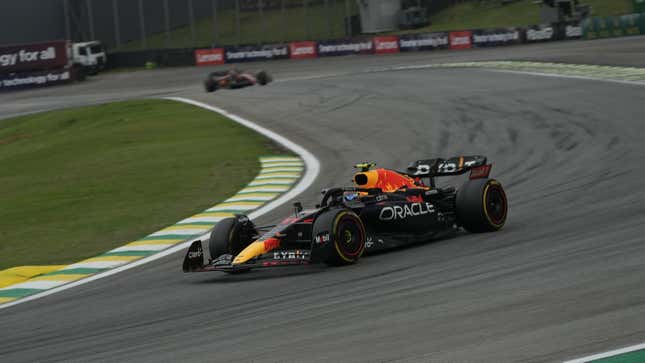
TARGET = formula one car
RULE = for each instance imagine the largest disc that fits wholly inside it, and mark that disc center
(383, 210)
(234, 79)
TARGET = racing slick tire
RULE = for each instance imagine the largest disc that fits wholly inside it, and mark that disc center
(229, 236)
(481, 205)
(210, 85)
(263, 78)
(338, 237)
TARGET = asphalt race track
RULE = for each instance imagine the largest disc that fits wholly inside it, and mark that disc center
(564, 279)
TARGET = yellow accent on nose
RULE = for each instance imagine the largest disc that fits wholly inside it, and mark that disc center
(253, 250)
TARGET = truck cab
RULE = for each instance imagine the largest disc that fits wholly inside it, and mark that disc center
(90, 55)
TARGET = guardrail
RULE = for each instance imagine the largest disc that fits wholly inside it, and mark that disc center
(614, 26)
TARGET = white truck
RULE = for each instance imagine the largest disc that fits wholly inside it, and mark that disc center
(89, 55)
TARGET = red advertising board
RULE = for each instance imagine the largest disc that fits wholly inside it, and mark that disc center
(31, 57)
(383, 45)
(461, 40)
(209, 57)
(302, 50)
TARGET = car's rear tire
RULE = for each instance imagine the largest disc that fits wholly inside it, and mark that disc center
(263, 78)
(229, 236)
(481, 205)
(339, 237)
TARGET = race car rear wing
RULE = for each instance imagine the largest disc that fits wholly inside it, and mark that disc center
(458, 165)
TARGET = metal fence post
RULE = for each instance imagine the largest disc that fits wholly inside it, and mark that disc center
(304, 4)
(215, 28)
(284, 22)
(263, 22)
(191, 20)
(348, 20)
(90, 19)
(329, 26)
(237, 22)
(68, 30)
(117, 26)
(166, 21)
(142, 25)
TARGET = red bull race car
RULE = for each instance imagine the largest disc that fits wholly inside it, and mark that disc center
(384, 209)
(234, 79)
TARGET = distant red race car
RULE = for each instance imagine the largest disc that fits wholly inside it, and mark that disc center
(235, 79)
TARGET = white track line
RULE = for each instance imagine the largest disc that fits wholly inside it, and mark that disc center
(612, 353)
(555, 75)
(311, 172)
(474, 66)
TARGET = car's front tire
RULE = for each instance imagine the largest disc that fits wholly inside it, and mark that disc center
(229, 236)
(339, 237)
(210, 85)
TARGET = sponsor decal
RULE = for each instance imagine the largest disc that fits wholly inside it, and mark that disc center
(254, 53)
(332, 48)
(34, 79)
(537, 34)
(460, 40)
(291, 255)
(494, 37)
(384, 45)
(423, 41)
(302, 50)
(369, 242)
(398, 212)
(209, 57)
(195, 254)
(381, 197)
(29, 57)
(573, 32)
(322, 238)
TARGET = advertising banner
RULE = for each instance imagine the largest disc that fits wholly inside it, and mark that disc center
(256, 52)
(540, 33)
(496, 37)
(24, 80)
(631, 24)
(614, 26)
(423, 41)
(37, 56)
(386, 44)
(460, 40)
(302, 50)
(345, 47)
(209, 57)
(573, 31)
(591, 28)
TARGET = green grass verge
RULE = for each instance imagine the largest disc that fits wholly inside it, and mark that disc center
(78, 182)
(328, 22)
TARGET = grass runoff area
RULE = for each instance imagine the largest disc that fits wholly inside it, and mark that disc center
(320, 22)
(78, 182)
